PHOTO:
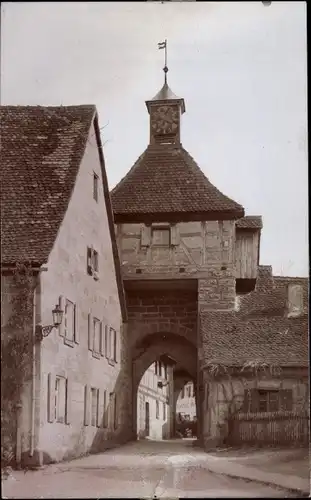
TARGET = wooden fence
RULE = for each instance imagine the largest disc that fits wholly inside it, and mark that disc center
(280, 428)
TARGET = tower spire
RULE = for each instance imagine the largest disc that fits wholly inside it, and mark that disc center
(163, 45)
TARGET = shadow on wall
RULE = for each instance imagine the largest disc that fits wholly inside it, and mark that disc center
(115, 424)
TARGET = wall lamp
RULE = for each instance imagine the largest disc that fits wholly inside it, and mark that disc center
(44, 331)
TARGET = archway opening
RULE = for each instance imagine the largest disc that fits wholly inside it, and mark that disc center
(154, 401)
(162, 365)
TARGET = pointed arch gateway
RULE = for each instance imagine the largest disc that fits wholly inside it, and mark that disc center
(181, 351)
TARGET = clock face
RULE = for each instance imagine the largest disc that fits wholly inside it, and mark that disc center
(165, 120)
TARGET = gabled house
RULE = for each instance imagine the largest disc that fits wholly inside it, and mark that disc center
(57, 224)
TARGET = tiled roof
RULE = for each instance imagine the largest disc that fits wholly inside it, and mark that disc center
(272, 340)
(41, 151)
(260, 329)
(166, 180)
(249, 222)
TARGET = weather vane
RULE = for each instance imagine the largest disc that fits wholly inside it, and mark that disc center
(163, 45)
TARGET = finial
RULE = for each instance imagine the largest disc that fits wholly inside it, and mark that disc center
(163, 45)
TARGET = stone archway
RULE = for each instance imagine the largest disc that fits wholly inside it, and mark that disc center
(152, 347)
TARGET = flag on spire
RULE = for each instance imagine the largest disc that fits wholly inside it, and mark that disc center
(162, 45)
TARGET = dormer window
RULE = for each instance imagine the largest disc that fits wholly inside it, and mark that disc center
(294, 300)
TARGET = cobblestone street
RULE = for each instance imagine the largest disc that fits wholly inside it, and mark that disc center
(141, 469)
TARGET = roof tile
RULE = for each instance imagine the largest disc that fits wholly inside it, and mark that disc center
(41, 151)
(166, 180)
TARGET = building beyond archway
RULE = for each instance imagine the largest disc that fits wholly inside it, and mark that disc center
(174, 352)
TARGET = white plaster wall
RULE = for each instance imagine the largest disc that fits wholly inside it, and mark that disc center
(85, 224)
(148, 391)
(186, 405)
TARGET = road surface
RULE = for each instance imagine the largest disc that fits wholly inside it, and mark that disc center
(144, 469)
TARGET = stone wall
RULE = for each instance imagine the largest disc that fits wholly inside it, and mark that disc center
(176, 308)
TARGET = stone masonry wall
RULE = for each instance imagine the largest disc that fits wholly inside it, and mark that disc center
(176, 307)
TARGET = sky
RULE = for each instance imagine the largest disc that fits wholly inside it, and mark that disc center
(240, 66)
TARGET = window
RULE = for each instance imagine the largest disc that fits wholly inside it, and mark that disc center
(60, 399)
(94, 407)
(69, 320)
(271, 400)
(96, 335)
(156, 368)
(183, 393)
(165, 372)
(92, 261)
(164, 411)
(95, 186)
(189, 391)
(161, 236)
(157, 410)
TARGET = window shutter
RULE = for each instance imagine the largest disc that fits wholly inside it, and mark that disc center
(87, 393)
(286, 399)
(102, 338)
(145, 236)
(62, 305)
(89, 263)
(246, 401)
(100, 408)
(105, 410)
(175, 237)
(51, 398)
(98, 422)
(106, 340)
(76, 325)
(254, 401)
(114, 344)
(68, 399)
(90, 332)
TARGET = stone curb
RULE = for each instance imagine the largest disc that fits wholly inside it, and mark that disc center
(251, 474)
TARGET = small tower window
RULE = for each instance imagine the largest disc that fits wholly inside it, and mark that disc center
(161, 236)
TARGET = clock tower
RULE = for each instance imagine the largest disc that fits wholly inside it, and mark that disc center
(165, 110)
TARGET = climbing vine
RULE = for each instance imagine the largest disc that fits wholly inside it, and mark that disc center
(16, 342)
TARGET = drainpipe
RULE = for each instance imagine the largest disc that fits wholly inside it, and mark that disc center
(33, 382)
(18, 454)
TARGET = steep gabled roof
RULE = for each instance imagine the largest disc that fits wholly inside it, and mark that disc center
(41, 151)
(165, 184)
